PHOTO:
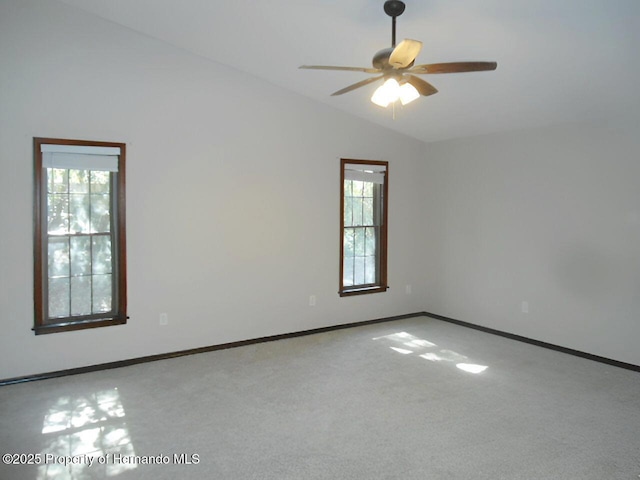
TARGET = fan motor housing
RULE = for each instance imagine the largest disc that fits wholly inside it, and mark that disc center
(381, 58)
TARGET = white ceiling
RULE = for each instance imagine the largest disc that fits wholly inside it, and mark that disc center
(558, 60)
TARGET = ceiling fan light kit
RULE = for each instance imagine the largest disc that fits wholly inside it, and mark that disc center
(391, 91)
(396, 66)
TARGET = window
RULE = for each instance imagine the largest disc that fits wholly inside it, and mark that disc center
(79, 229)
(363, 226)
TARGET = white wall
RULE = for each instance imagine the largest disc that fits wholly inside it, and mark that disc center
(548, 216)
(232, 191)
(233, 205)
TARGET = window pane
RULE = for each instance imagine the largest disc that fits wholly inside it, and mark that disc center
(57, 180)
(348, 212)
(370, 269)
(58, 297)
(100, 221)
(357, 188)
(101, 293)
(370, 241)
(58, 253)
(78, 181)
(347, 188)
(367, 211)
(79, 213)
(81, 295)
(359, 242)
(100, 182)
(347, 272)
(349, 240)
(101, 254)
(358, 270)
(368, 189)
(58, 213)
(80, 255)
(357, 210)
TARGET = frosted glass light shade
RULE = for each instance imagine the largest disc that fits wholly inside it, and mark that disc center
(386, 93)
(408, 93)
(391, 90)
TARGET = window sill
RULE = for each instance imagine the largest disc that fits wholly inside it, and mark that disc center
(363, 290)
(79, 325)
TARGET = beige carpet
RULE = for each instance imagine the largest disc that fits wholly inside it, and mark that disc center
(411, 399)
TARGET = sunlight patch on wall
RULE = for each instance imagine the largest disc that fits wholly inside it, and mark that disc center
(86, 427)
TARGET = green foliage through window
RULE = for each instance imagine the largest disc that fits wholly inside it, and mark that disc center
(363, 226)
(80, 269)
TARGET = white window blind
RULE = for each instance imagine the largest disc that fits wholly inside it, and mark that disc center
(79, 157)
(365, 173)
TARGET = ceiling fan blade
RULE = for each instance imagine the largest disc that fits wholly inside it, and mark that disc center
(348, 69)
(405, 53)
(424, 88)
(357, 85)
(454, 67)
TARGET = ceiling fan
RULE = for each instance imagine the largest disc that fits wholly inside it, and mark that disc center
(396, 66)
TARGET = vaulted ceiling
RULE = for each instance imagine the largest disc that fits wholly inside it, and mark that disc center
(558, 61)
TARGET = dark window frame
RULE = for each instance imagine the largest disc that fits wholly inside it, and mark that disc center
(118, 316)
(381, 284)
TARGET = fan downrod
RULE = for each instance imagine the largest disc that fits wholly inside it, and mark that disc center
(393, 8)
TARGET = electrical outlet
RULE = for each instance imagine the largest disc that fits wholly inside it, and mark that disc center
(164, 319)
(312, 300)
(525, 307)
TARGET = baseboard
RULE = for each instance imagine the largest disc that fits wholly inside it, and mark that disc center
(538, 343)
(223, 346)
(193, 351)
